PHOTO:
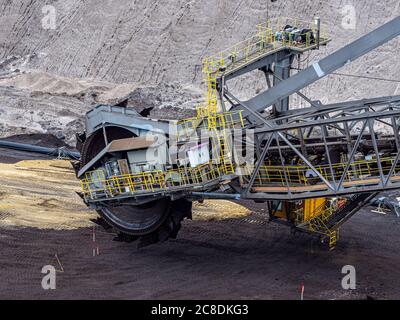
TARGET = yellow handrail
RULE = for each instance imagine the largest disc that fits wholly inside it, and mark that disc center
(298, 174)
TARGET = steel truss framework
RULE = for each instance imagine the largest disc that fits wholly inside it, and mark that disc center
(288, 141)
(321, 130)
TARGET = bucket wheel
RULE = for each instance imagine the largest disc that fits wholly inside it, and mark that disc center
(152, 222)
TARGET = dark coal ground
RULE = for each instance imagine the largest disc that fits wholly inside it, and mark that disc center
(233, 259)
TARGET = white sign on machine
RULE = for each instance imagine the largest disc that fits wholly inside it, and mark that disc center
(199, 154)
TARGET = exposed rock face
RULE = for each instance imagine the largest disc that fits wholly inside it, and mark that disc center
(103, 50)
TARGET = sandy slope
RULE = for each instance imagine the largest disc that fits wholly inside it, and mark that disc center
(41, 194)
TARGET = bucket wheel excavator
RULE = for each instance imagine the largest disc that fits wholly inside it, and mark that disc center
(151, 221)
(314, 167)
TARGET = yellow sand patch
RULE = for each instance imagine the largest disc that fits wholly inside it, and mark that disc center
(218, 210)
(41, 194)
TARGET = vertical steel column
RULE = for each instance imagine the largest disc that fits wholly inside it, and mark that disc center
(317, 23)
(282, 72)
(105, 133)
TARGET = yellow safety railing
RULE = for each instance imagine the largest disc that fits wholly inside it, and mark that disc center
(225, 150)
(319, 224)
(302, 175)
(211, 107)
(96, 186)
(269, 37)
(265, 41)
(220, 121)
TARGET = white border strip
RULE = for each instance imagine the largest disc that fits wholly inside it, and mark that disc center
(318, 69)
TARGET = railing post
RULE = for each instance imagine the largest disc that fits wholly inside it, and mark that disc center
(317, 23)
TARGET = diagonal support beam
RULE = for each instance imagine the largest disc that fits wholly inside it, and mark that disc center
(396, 161)
(375, 145)
(328, 157)
(259, 163)
(308, 163)
(353, 152)
(252, 112)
